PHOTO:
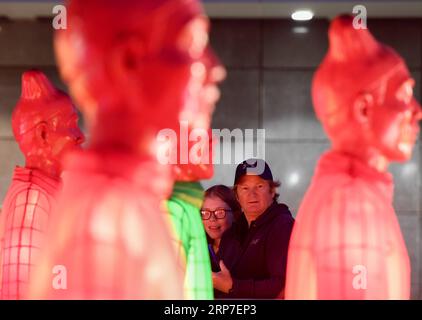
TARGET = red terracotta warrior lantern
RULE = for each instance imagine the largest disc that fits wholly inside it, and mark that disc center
(45, 125)
(194, 147)
(347, 243)
(129, 65)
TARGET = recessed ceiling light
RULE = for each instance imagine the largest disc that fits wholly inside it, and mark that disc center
(300, 29)
(302, 15)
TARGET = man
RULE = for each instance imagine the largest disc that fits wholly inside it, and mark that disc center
(347, 243)
(45, 125)
(255, 248)
(130, 65)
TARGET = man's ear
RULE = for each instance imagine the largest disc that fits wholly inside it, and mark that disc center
(363, 108)
(41, 133)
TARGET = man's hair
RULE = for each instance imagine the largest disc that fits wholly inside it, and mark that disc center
(273, 186)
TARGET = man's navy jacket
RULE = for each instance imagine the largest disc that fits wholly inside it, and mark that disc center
(257, 255)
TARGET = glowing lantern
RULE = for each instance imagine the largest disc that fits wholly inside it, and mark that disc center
(346, 242)
(45, 126)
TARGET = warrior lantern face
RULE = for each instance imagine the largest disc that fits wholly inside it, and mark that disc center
(45, 123)
(363, 95)
(395, 120)
(136, 72)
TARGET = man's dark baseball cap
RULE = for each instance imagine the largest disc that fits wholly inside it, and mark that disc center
(253, 167)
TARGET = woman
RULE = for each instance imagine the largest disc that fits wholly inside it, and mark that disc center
(219, 209)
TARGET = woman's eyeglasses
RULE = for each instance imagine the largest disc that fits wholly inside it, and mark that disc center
(218, 213)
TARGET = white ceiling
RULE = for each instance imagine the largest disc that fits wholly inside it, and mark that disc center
(250, 8)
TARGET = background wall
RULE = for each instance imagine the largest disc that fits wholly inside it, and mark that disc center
(270, 66)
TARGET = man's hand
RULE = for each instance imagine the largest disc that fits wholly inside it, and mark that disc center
(222, 280)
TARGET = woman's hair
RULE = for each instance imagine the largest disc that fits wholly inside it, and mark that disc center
(225, 194)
